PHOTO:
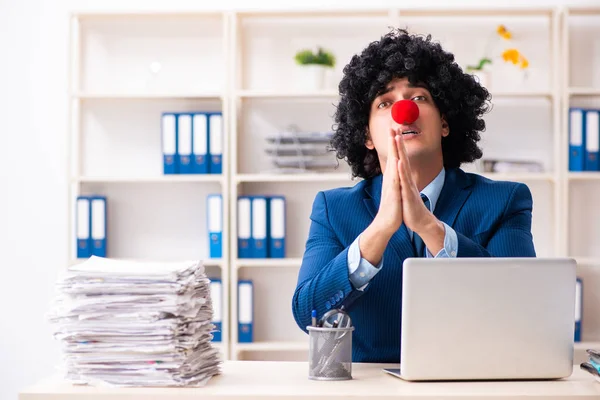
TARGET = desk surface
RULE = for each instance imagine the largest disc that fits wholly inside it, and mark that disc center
(262, 379)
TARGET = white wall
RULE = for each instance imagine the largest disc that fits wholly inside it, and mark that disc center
(33, 209)
(33, 186)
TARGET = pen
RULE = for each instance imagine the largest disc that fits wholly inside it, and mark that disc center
(314, 317)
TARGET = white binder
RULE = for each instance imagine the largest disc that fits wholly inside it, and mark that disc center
(245, 312)
(215, 225)
(215, 141)
(98, 226)
(200, 144)
(592, 140)
(184, 143)
(83, 221)
(244, 227)
(169, 143)
(277, 227)
(258, 242)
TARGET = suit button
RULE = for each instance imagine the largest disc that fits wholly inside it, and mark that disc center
(341, 293)
(328, 305)
(337, 297)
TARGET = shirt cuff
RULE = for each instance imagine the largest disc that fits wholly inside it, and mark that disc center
(450, 249)
(360, 271)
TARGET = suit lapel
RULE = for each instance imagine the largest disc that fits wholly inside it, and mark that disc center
(400, 241)
(456, 190)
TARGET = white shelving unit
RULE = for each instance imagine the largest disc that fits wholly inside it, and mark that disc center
(126, 69)
(581, 87)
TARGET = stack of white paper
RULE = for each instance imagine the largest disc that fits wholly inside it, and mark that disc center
(295, 151)
(136, 323)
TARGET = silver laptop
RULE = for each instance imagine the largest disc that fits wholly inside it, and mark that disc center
(487, 319)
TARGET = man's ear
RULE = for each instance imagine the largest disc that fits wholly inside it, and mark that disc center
(369, 143)
(445, 127)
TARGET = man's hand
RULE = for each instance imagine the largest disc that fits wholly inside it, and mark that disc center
(416, 215)
(389, 216)
(375, 238)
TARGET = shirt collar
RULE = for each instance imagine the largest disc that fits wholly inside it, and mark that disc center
(433, 190)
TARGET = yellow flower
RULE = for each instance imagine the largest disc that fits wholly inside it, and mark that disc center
(511, 55)
(515, 57)
(503, 32)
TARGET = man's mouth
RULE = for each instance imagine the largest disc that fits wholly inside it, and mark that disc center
(410, 132)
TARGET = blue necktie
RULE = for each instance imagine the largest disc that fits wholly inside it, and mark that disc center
(417, 241)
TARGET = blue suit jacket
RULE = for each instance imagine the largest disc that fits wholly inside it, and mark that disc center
(491, 219)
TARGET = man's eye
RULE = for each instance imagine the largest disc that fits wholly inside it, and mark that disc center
(419, 98)
(383, 104)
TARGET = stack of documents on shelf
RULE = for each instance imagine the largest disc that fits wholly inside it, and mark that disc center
(130, 323)
(294, 151)
(508, 166)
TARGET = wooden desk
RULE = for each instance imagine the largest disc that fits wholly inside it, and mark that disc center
(278, 380)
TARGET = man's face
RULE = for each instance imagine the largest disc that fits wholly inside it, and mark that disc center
(425, 144)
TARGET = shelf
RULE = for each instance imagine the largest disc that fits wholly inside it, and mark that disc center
(586, 260)
(477, 12)
(268, 262)
(584, 176)
(584, 91)
(522, 94)
(212, 262)
(272, 346)
(405, 12)
(308, 177)
(146, 13)
(218, 345)
(585, 11)
(587, 345)
(206, 262)
(146, 96)
(314, 13)
(159, 179)
(276, 94)
(518, 176)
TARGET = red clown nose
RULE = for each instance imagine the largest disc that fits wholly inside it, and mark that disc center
(405, 112)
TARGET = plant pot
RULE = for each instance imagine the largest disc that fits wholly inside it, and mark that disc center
(312, 77)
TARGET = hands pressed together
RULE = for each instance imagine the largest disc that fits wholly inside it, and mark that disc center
(401, 200)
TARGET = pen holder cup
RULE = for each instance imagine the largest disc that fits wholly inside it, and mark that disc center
(330, 353)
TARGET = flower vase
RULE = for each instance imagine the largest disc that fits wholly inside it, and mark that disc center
(312, 77)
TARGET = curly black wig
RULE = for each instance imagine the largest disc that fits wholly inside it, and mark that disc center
(460, 99)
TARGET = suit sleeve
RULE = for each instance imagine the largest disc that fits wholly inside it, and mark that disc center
(323, 280)
(512, 236)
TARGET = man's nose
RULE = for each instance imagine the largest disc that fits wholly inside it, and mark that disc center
(405, 112)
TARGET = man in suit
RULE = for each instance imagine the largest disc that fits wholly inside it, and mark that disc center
(413, 201)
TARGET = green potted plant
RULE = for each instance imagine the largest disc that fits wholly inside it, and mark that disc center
(315, 68)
